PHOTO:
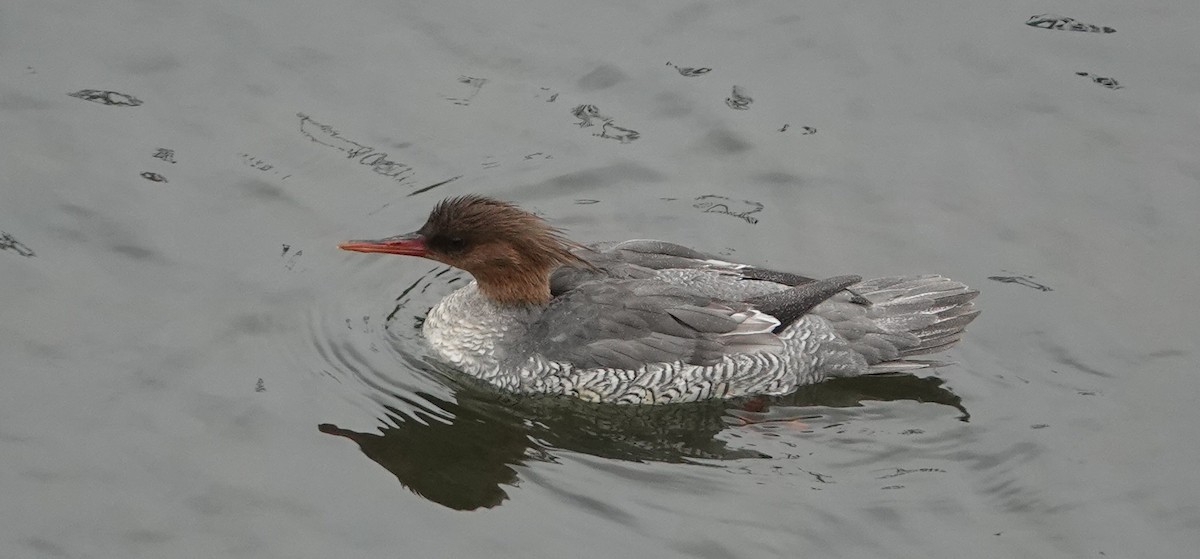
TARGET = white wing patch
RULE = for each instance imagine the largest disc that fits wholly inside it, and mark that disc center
(754, 334)
(725, 265)
(754, 321)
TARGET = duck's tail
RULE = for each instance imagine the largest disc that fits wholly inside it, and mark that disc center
(907, 316)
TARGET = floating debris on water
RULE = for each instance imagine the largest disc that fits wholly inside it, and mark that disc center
(1063, 23)
(8, 242)
(738, 99)
(1027, 281)
(1106, 82)
(113, 98)
(588, 113)
(165, 154)
(475, 84)
(378, 161)
(690, 72)
(290, 263)
(804, 130)
(714, 204)
(552, 97)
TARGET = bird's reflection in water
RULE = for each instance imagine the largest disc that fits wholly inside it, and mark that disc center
(460, 462)
(462, 454)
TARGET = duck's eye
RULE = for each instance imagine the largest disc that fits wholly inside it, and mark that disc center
(455, 244)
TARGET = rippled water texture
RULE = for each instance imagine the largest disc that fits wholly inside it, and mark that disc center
(192, 369)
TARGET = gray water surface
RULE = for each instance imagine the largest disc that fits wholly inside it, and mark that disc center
(192, 369)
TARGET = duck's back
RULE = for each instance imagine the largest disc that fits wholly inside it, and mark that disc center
(653, 322)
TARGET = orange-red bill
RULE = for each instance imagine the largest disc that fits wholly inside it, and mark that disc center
(412, 244)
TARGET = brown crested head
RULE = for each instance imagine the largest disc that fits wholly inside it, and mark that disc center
(509, 251)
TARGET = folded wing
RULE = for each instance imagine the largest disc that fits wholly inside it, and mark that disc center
(629, 323)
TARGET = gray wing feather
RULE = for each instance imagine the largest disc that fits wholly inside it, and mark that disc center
(708, 320)
(648, 301)
(628, 323)
(641, 258)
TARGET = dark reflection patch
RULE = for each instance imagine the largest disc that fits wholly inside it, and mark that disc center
(473, 86)
(113, 98)
(721, 141)
(264, 190)
(15, 101)
(738, 99)
(153, 176)
(1106, 82)
(1027, 281)
(8, 242)
(402, 299)
(589, 115)
(584, 181)
(136, 252)
(1052, 21)
(603, 77)
(778, 177)
(378, 161)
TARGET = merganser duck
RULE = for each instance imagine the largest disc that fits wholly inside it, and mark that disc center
(651, 322)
